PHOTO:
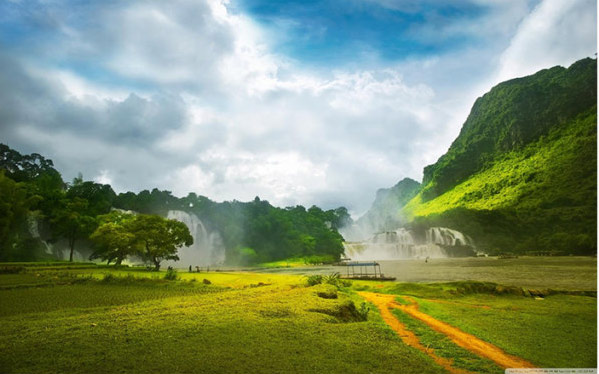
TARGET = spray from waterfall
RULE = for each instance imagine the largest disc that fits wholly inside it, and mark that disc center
(207, 248)
(439, 242)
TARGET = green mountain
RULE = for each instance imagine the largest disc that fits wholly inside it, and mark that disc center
(385, 210)
(522, 174)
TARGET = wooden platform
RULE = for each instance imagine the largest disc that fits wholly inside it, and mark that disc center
(360, 270)
(365, 277)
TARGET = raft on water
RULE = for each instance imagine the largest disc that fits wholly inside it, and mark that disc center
(364, 270)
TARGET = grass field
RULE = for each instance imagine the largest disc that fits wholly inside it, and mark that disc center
(86, 319)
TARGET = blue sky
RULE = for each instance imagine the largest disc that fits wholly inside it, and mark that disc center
(346, 32)
(298, 102)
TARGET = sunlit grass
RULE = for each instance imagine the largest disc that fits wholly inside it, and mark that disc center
(558, 330)
(134, 321)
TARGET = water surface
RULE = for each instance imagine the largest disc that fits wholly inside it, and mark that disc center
(563, 273)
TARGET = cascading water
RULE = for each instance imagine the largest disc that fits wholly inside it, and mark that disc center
(402, 244)
(445, 236)
(33, 226)
(207, 248)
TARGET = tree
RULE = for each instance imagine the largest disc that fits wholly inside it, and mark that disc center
(24, 168)
(160, 238)
(99, 196)
(14, 208)
(114, 239)
(72, 222)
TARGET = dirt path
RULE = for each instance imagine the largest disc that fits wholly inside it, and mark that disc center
(384, 303)
(467, 341)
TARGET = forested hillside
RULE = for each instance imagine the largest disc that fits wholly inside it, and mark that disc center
(522, 174)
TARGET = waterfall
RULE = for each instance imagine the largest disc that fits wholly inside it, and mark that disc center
(207, 247)
(445, 236)
(34, 231)
(403, 244)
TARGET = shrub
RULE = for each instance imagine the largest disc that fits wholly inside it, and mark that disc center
(327, 292)
(171, 274)
(331, 279)
(313, 280)
(363, 311)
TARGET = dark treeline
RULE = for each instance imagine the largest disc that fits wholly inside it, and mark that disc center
(38, 207)
(253, 231)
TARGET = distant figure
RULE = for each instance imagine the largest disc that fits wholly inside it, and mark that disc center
(190, 268)
(197, 269)
(426, 259)
(169, 268)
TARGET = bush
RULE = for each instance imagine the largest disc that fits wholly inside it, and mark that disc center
(313, 280)
(327, 292)
(333, 279)
(171, 274)
(363, 311)
(336, 280)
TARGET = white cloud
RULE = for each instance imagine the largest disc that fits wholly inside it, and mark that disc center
(556, 32)
(192, 99)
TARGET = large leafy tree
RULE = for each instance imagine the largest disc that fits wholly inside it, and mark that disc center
(73, 222)
(114, 239)
(160, 238)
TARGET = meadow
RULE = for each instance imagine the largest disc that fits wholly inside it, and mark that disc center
(94, 319)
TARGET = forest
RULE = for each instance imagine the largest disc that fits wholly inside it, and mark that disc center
(38, 207)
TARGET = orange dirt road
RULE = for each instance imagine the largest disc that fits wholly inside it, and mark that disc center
(467, 341)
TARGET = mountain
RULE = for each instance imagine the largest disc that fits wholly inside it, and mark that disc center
(386, 208)
(522, 174)
(513, 114)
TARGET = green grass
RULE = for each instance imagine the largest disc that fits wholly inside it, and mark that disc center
(557, 331)
(289, 263)
(444, 347)
(242, 322)
(131, 320)
(297, 262)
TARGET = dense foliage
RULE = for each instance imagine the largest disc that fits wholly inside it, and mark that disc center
(253, 231)
(522, 175)
(38, 208)
(510, 116)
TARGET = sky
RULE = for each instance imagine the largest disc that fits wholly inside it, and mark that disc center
(298, 102)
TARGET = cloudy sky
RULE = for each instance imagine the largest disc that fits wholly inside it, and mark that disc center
(298, 102)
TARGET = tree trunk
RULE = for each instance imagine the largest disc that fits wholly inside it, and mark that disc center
(72, 245)
(157, 264)
(118, 261)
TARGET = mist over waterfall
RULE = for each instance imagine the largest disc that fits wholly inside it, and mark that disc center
(207, 248)
(435, 242)
(449, 237)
